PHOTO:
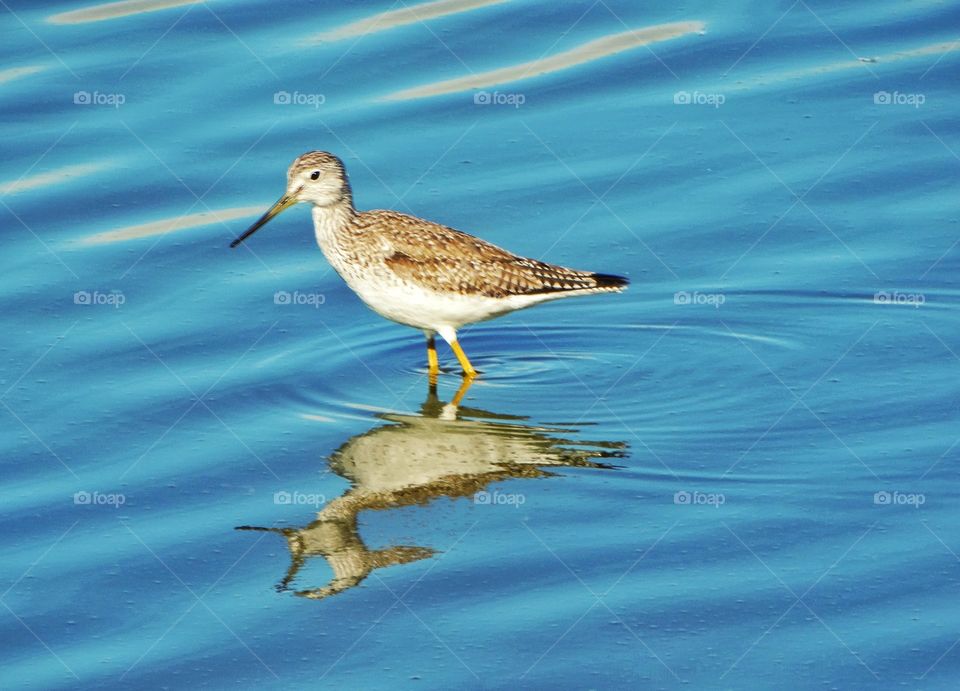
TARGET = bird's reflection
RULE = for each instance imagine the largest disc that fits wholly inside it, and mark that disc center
(448, 450)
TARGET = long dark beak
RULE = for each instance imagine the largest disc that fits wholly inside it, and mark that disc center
(284, 202)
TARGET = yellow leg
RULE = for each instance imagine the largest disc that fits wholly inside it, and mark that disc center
(433, 362)
(468, 370)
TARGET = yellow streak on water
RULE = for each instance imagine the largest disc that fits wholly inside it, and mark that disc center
(49, 178)
(875, 62)
(602, 47)
(112, 10)
(316, 418)
(17, 72)
(167, 225)
(401, 17)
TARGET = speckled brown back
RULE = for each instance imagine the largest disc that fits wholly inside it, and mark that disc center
(445, 259)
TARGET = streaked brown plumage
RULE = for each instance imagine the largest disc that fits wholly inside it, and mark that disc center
(417, 272)
(446, 259)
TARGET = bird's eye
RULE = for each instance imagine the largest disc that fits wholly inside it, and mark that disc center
(314, 175)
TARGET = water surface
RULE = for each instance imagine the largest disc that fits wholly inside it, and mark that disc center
(219, 468)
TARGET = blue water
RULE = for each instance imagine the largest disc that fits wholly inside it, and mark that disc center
(741, 471)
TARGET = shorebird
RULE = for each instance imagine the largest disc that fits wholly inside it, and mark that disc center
(416, 272)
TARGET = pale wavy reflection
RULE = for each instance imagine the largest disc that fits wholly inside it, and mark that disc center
(867, 62)
(49, 178)
(587, 52)
(401, 17)
(17, 72)
(112, 10)
(168, 225)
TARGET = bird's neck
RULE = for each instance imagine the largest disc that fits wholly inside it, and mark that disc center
(330, 221)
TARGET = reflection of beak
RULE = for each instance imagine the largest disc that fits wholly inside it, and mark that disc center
(284, 202)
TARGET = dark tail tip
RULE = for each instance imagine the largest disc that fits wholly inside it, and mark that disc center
(611, 281)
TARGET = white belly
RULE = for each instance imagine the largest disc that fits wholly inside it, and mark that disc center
(414, 306)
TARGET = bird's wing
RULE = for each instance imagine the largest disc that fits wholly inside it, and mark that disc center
(446, 259)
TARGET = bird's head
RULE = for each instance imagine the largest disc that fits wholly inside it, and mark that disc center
(316, 177)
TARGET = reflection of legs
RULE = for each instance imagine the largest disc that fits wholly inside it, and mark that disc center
(462, 391)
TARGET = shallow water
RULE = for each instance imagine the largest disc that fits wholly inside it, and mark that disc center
(741, 470)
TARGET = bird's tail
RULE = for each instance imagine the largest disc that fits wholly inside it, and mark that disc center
(611, 281)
